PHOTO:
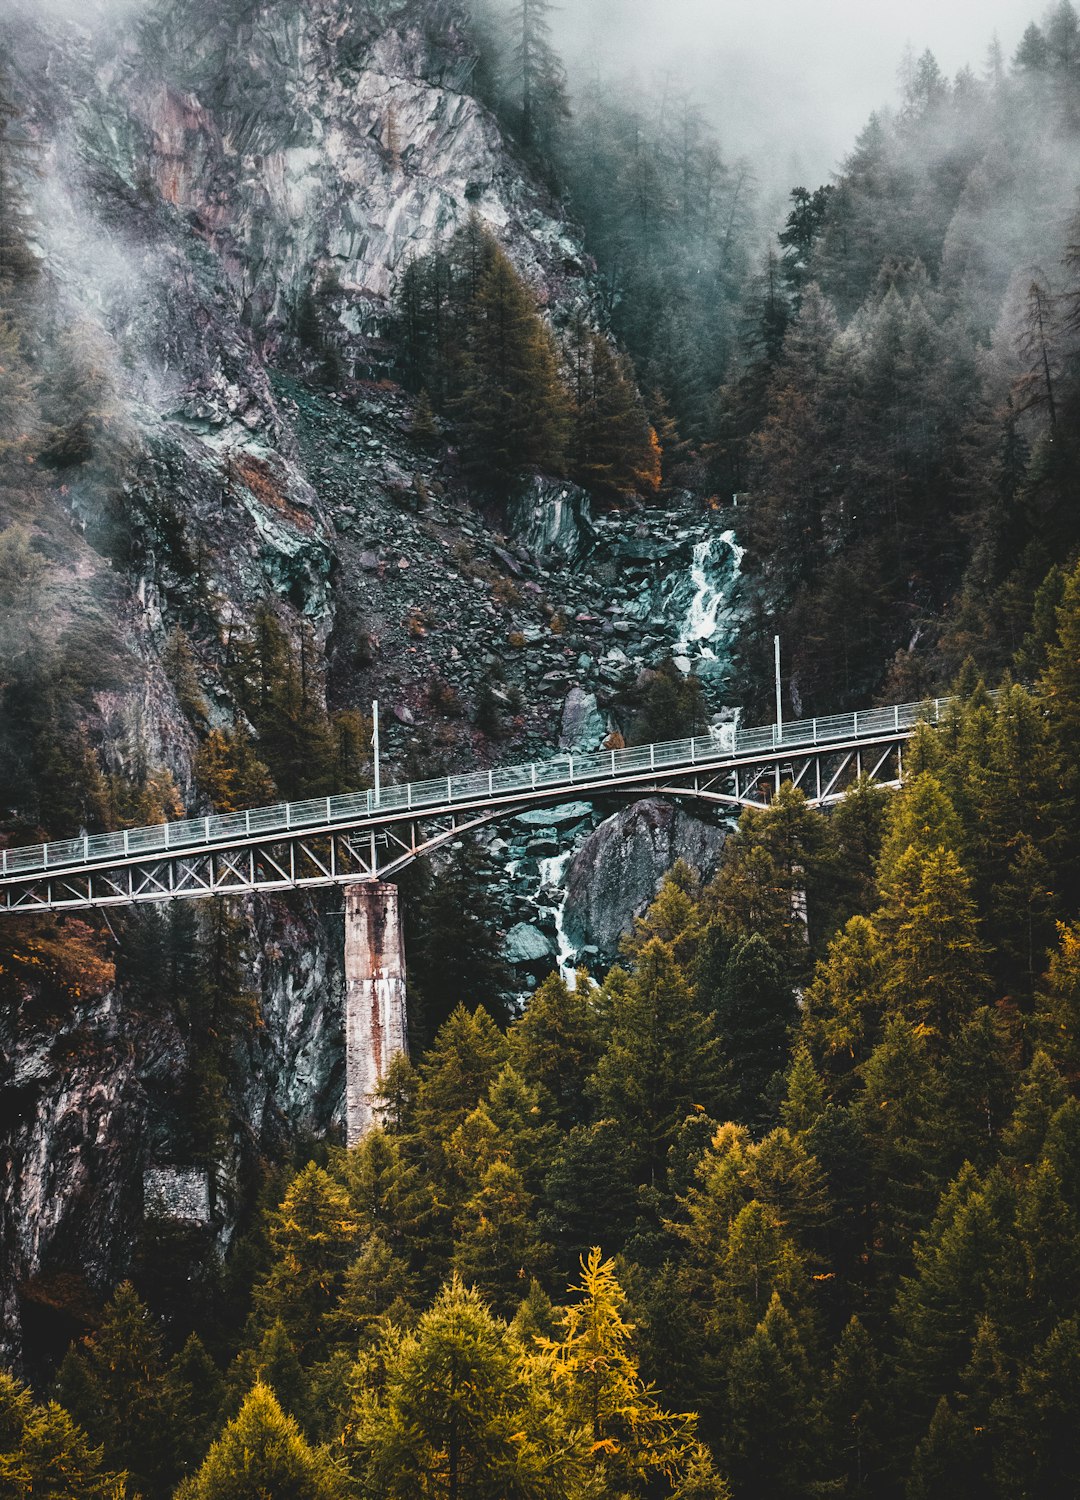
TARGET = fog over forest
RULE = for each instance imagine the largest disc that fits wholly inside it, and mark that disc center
(790, 85)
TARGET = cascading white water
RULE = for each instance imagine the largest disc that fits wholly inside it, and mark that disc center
(551, 876)
(709, 596)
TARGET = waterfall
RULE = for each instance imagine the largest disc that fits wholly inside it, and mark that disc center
(708, 598)
(551, 877)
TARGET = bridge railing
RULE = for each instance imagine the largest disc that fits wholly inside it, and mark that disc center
(564, 770)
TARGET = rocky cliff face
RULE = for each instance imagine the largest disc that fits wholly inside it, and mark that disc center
(201, 168)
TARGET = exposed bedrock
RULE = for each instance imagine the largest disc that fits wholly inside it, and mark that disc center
(618, 870)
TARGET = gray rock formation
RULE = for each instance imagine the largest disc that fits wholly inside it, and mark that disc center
(551, 516)
(525, 946)
(583, 726)
(619, 868)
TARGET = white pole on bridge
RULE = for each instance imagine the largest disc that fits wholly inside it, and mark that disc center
(375, 745)
(779, 704)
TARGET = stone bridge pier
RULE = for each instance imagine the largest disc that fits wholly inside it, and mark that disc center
(376, 1025)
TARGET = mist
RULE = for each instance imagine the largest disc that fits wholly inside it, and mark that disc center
(788, 85)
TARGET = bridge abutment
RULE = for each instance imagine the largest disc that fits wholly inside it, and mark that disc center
(376, 1025)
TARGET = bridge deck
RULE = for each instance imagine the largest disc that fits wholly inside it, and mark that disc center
(536, 780)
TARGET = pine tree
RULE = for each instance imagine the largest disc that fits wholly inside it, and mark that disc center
(855, 1417)
(231, 774)
(555, 1045)
(451, 936)
(538, 76)
(314, 1237)
(193, 1392)
(661, 1058)
(901, 1116)
(843, 1006)
(612, 438)
(496, 1245)
(262, 1452)
(458, 1069)
(932, 951)
(960, 1268)
(43, 1453)
(766, 1442)
(512, 408)
(452, 1418)
(945, 1461)
(632, 1439)
(378, 1288)
(755, 1012)
(113, 1387)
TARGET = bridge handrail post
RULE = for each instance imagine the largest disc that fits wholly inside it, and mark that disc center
(613, 762)
(532, 769)
(408, 794)
(206, 826)
(44, 856)
(693, 757)
(127, 846)
(491, 783)
(652, 757)
(288, 815)
(896, 716)
(570, 764)
(165, 835)
(85, 849)
(369, 802)
(3, 858)
(450, 789)
(813, 729)
(855, 722)
(329, 814)
(247, 822)
(937, 710)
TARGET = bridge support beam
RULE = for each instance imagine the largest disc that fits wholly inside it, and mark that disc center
(376, 1027)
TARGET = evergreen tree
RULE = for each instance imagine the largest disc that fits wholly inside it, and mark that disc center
(451, 1416)
(113, 1386)
(451, 935)
(755, 1011)
(661, 1058)
(262, 1452)
(768, 1410)
(631, 1438)
(43, 1452)
(496, 1245)
(855, 1416)
(313, 1235)
(613, 443)
(555, 1045)
(458, 1070)
(512, 408)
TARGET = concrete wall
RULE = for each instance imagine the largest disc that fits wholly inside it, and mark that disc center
(376, 1026)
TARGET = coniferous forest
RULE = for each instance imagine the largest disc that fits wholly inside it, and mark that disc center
(783, 1203)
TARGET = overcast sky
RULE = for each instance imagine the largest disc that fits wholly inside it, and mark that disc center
(789, 83)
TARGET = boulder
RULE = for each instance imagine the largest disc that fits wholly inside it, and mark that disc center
(551, 517)
(563, 816)
(618, 869)
(526, 946)
(583, 725)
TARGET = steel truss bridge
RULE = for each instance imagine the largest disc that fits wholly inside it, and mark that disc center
(363, 837)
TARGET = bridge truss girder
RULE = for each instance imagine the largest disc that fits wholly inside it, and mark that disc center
(300, 860)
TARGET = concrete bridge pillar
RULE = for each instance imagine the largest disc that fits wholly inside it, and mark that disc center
(376, 1026)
